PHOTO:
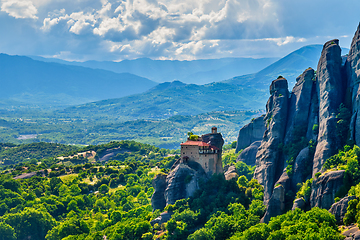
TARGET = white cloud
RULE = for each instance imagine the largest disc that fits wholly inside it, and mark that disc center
(172, 29)
(19, 8)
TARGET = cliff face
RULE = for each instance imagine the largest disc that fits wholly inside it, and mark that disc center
(187, 172)
(252, 132)
(302, 129)
(331, 94)
(352, 66)
(268, 162)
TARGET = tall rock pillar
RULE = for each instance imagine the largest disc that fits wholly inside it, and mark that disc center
(330, 92)
(268, 164)
(353, 74)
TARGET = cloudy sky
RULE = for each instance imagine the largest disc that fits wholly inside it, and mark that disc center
(171, 29)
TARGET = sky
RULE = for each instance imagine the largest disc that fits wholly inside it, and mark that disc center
(171, 29)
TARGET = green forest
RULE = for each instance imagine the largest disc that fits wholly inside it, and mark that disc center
(70, 196)
(33, 125)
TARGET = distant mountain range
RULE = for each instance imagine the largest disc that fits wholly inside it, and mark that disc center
(27, 81)
(248, 92)
(191, 72)
(127, 96)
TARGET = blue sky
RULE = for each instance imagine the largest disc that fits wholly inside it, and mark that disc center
(171, 29)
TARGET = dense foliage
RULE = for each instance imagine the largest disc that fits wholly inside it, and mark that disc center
(88, 199)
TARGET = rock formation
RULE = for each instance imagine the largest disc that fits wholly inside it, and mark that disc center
(352, 67)
(301, 129)
(339, 208)
(183, 181)
(248, 155)
(231, 173)
(330, 89)
(158, 197)
(268, 164)
(325, 187)
(199, 160)
(253, 131)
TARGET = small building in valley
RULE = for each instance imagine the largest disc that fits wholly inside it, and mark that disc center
(206, 151)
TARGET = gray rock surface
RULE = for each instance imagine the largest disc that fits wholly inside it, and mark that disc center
(299, 203)
(324, 188)
(248, 155)
(338, 209)
(353, 233)
(163, 218)
(299, 105)
(301, 167)
(353, 73)
(276, 204)
(158, 197)
(183, 181)
(253, 131)
(214, 139)
(231, 173)
(268, 165)
(330, 91)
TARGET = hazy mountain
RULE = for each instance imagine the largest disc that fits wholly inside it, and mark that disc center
(290, 67)
(196, 71)
(168, 99)
(26, 80)
(248, 92)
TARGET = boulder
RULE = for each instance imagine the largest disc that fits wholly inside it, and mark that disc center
(183, 181)
(163, 218)
(248, 155)
(269, 166)
(299, 203)
(231, 173)
(158, 197)
(324, 188)
(338, 209)
(253, 131)
(330, 90)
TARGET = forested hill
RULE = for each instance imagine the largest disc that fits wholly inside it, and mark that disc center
(28, 81)
(166, 100)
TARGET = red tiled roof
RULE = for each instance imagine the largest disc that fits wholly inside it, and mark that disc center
(198, 143)
(195, 143)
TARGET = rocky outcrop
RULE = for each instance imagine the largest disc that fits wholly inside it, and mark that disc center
(231, 173)
(253, 131)
(299, 203)
(300, 106)
(352, 66)
(183, 181)
(302, 167)
(352, 233)
(268, 161)
(158, 197)
(276, 204)
(248, 155)
(214, 139)
(330, 90)
(163, 218)
(324, 188)
(338, 209)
